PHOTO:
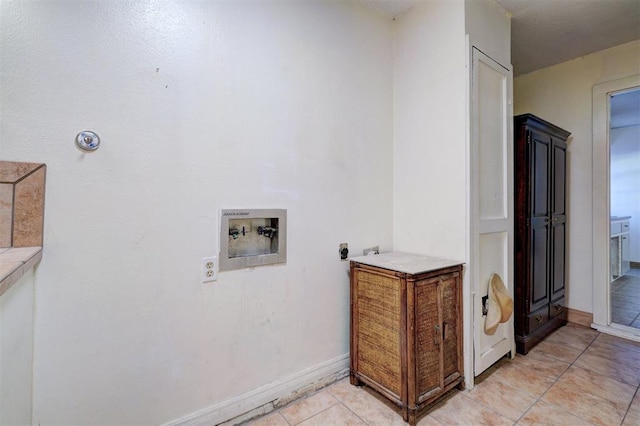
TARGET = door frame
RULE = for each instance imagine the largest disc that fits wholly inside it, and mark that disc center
(601, 203)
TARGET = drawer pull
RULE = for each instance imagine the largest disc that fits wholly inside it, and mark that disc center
(539, 318)
(558, 307)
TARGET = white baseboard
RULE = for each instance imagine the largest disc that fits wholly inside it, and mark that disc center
(295, 385)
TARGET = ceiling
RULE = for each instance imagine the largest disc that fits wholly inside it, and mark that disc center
(548, 32)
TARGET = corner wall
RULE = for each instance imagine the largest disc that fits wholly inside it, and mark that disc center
(200, 106)
(429, 116)
(562, 94)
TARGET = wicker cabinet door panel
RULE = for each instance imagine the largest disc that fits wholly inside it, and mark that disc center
(427, 339)
(451, 321)
(379, 316)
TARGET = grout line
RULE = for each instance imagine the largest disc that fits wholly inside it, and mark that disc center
(358, 389)
(556, 380)
(307, 397)
(318, 413)
(626, 413)
(354, 413)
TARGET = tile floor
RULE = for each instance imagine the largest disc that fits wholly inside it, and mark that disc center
(576, 376)
(625, 299)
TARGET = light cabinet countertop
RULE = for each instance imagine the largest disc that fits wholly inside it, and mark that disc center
(619, 218)
(405, 262)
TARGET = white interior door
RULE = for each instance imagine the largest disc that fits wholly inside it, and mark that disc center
(491, 200)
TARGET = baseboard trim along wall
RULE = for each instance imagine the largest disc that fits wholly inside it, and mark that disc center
(579, 317)
(269, 397)
(274, 395)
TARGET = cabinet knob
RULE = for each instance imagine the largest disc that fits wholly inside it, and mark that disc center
(539, 318)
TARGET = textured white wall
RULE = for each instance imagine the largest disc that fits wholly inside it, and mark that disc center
(562, 94)
(625, 181)
(16, 352)
(429, 187)
(200, 106)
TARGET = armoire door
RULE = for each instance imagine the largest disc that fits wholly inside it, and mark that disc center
(539, 167)
(558, 218)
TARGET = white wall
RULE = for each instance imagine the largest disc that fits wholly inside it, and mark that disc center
(562, 95)
(16, 351)
(429, 182)
(489, 27)
(200, 106)
(625, 181)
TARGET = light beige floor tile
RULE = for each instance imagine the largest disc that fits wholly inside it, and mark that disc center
(336, 415)
(568, 340)
(522, 378)
(344, 389)
(578, 338)
(633, 415)
(427, 420)
(543, 413)
(609, 368)
(503, 398)
(542, 364)
(619, 341)
(559, 351)
(587, 381)
(590, 407)
(308, 407)
(580, 330)
(273, 419)
(615, 353)
(366, 405)
(462, 410)
(489, 371)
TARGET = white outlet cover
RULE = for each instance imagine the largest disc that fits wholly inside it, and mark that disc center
(209, 269)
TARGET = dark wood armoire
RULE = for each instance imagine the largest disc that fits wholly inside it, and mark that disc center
(540, 167)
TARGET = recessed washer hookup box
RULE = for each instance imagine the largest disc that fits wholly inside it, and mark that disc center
(252, 237)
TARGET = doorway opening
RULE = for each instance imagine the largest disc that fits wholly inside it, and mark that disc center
(624, 230)
(609, 254)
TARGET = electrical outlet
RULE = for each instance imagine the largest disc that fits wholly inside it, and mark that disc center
(209, 269)
(344, 251)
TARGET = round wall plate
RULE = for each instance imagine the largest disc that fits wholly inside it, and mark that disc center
(87, 141)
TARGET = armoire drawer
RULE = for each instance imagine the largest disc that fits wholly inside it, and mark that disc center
(537, 318)
(556, 308)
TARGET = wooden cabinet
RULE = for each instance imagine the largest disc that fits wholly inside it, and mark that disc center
(406, 328)
(540, 229)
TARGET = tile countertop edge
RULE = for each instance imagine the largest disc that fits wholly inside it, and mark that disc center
(20, 265)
